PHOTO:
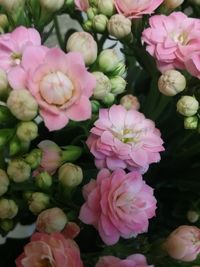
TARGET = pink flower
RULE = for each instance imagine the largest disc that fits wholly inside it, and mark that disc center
(135, 260)
(124, 139)
(184, 243)
(50, 250)
(135, 8)
(12, 46)
(192, 64)
(82, 5)
(170, 39)
(59, 82)
(71, 230)
(118, 204)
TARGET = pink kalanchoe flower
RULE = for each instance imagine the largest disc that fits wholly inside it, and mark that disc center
(135, 260)
(118, 204)
(50, 250)
(170, 39)
(184, 243)
(82, 5)
(59, 82)
(12, 46)
(124, 139)
(135, 8)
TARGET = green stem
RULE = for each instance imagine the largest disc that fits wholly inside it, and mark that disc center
(58, 33)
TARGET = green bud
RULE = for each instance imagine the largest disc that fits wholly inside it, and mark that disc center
(191, 123)
(118, 85)
(51, 5)
(4, 86)
(27, 131)
(39, 201)
(14, 146)
(6, 225)
(3, 21)
(8, 208)
(87, 26)
(99, 23)
(18, 170)
(34, 158)
(71, 153)
(70, 175)
(91, 12)
(95, 106)
(192, 216)
(187, 106)
(43, 180)
(103, 85)
(106, 7)
(120, 69)
(4, 182)
(108, 60)
(109, 99)
(93, 3)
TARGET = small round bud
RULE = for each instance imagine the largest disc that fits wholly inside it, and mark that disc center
(4, 182)
(84, 43)
(172, 4)
(43, 180)
(38, 202)
(108, 99)
(191, 123)
(87, 26)
(119, 26)
(18, 170)
(4, 86)
(70, 175)
(8, 208)
(51, 220)
(12, 5)
(99, 23)
(118, 85)
(34, 158)
(95, 106)
(3, 21)
(187, 106)
(91, 12)
(108, 60)
(93, 3)
(106, 7)
(130, 102)
(22, 105)
(52, 5)
(171, 83)
(6, 225)
(192, 216)
(103, 85)
(27, 131)
(120, 69)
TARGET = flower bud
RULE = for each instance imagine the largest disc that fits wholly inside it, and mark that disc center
(95, 106)
(52, 5)
(192, 216)
(4, 86)
(16, 146)
(171, 83)
(87, 26)
(108, 99)
(8, 208)
(27, 131)
(120, 69)
(70, 175)
(84, 43)
(3, 21)
(187, 106)
(43, 180)
(38, 202)
(130, 102)
(119, 26)
(108, 60)
(33, 159)
(51, 220)
(118, 85)
(4, 182)
(99, 23)
(22, 105)
(18, 170)
(191, 123)
(103, 85)
(12, 5)
(106, 7)
(172, 4)
(6, 225)
(91, 12)
(93, 3)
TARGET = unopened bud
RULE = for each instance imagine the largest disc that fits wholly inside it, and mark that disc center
(43, 180)
(3, 21)
(103, 85)
(108, 99)
(120, 69)
(118, 85)
(93, 3)
(130, 102)
(192, 216)
(4, 86)
(191, 123)
(38, 202)
(99, 23)
(95, 106)
(91, 12)
(187, 106)
(27, 131)
(119, 26)
(34, 158)
(171, 83)
(51, 220)
(172, 4)
(6, 225)
(108, 60)
(4, 182)
(106, 7)
(70, 175)
(84, 43)
(12, 5)
(18, 170)
(8, 208)
(22, 105)
(16, 146)
(87, 26)
(52, 5)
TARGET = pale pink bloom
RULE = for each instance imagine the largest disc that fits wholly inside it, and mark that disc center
(50, 250)
(71, 230)
(192, 64)
(124, 139)
(59, 82)
(170, 39)
(135, 8)
(12, 46)
(82, 5)
(135, 260)
(118, 204)
(184, 243)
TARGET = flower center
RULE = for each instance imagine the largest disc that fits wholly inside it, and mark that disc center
(56, 88)
(127, 135)
(16, 58)
(181, 38)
